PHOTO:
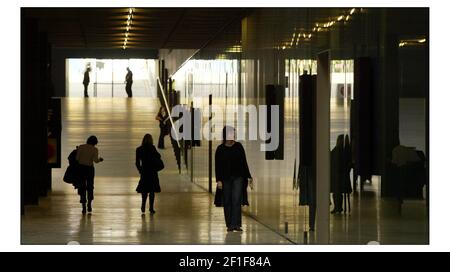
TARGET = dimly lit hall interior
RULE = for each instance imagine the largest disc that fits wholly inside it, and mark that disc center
(350, 86)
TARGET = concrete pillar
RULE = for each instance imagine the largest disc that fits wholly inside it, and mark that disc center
(323, 148)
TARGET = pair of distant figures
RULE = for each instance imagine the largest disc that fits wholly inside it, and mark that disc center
(128, 82)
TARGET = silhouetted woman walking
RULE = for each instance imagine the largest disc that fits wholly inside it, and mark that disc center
(231, 175)
(87, 154)
(337, 170)
(147, 158)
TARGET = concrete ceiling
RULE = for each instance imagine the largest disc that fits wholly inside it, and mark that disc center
(155, 28)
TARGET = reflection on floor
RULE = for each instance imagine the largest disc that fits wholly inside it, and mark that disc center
(185, 214)
(274, 200)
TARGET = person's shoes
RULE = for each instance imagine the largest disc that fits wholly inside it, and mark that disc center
(229, 229)
(84, 209)
(152, 211)
(89, 208)
(238, 229)
(143, 209)
(311, 229)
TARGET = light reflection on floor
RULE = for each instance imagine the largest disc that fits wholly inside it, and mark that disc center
(185, 213)
(275, 203)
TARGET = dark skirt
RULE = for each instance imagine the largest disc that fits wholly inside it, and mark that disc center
(149, 182)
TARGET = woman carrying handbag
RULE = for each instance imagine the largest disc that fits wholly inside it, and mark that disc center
(232, 175)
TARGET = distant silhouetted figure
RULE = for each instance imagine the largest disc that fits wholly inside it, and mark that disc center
(232, 176)
(87, 154)
(148, 163)
(163, 119)
(86, 81)
(340, 172)
(129, 82)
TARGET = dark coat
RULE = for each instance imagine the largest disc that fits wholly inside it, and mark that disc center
(238, 165)
(218, 197)
(340, 171)
(72, 174)
(348, 165)
(86, 78)
(145, 158)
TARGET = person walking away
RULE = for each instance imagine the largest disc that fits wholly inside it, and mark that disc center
(87, 154)
(129, 82)
(146, 159)
(232, 174)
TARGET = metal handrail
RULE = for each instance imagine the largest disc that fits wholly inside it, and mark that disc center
(106, 83)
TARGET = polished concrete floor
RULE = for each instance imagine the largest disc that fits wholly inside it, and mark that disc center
(185, 213)
(275, 198)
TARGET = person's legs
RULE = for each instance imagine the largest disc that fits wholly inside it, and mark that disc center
(338, 204)
(152, 202)
(85, 90)
(337, 199)
(128, 90)
(144, 201)
(161, 137)
(90, 186)
(227, 189)
(236, 202)
(333, 195)
(82, 188)
(82, 193)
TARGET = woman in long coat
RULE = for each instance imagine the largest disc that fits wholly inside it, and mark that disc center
(337, 173)
(146, 156)
(232, 175)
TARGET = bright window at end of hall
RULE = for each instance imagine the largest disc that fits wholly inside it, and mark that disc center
(107, 77)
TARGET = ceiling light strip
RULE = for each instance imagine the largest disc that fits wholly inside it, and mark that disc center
(128, 25)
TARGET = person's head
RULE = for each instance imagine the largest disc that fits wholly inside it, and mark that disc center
(128, 69)
(88, 69)
(228, 133)
(340, 141)
(92, 140)
(147, 140)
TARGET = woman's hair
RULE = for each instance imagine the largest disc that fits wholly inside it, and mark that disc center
(92, 140)
(227, 129)
(340, 141)
(147, 140)
(347, 140)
